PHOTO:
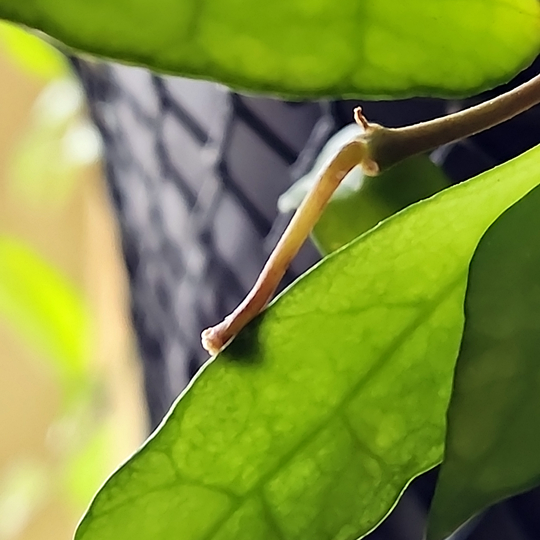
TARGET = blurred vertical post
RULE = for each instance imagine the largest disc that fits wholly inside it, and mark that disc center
(57, 443)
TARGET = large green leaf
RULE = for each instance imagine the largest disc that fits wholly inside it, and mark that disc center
(311, 423)
(305, 47)
(493, 442)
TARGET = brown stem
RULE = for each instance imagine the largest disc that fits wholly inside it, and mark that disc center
(353, 154)
(389, 146)
(376, 150)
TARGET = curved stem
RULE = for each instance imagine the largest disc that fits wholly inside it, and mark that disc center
(376, 150)
(389, 146)
(353, 154)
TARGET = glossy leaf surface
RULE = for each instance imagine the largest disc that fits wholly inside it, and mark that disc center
(305, 47)
(313, 420)
(493, 444)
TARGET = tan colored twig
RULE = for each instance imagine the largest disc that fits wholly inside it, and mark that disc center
(377, 149)
(353, 154)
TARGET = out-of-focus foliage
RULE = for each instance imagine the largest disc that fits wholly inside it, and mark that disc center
(23, 487)
(46, 316)
(43, 306)
(58, 143)
(32, 53)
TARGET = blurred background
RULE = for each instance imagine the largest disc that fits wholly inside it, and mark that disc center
(71, 404)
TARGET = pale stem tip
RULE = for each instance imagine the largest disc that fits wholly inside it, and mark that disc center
(212, 339)
(360, 119)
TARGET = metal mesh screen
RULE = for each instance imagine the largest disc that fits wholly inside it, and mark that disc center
(194, 172)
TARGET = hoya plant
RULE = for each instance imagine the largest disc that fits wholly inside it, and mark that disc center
(413, 344)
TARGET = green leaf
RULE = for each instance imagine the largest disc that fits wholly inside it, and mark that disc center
(44, 307)
(377, 198)
(312, 422)
(493, 444)
(305, 47)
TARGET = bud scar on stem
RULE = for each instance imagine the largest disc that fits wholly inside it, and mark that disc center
(376, 149)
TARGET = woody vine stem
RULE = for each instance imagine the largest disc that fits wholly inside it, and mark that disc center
(375, 150)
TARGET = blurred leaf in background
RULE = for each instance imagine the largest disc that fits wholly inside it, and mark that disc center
(57, 446)
(45, 307)
(32, 53)
(59, 138)
(58, 142)
(305, 48)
